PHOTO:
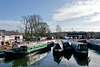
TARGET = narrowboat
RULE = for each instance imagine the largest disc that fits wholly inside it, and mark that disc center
(81, 48)
(94, 44)
(57, 48)
(67, 46)
(26, 49)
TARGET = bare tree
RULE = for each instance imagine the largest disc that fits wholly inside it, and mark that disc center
(26, 23)
(20, 29)
(36, 24)
(33, 26)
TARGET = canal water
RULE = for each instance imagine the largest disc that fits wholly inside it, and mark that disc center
(48, 59)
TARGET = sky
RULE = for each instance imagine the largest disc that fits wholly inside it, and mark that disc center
(70, 15)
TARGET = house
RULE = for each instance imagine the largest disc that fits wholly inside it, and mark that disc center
(10, 36)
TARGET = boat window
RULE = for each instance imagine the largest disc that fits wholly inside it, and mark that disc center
(83, 47)
(75, 46)
(86, 47)
(78, 46)
(23, 48)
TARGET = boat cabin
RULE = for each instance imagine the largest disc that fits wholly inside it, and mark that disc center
(80, 47)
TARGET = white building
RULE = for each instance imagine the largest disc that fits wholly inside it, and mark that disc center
(10, 36)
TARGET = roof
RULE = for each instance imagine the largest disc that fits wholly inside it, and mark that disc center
(8, 33)
(3, 32)
(13, 33)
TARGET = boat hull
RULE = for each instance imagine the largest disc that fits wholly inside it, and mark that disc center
(1, 54)
(14, 55)
(11, 54)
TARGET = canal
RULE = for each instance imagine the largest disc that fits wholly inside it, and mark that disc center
(48, 59)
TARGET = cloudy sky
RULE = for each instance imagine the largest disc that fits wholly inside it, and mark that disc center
(79, 15)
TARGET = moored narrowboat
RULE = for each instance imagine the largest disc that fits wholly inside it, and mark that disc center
(67, 46)
(26, 49)
(57, 48)
(80, 48)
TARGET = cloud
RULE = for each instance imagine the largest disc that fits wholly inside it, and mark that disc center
(50, 23)
(51, 26)
(9, 25)
(77, 9)
(94, 18)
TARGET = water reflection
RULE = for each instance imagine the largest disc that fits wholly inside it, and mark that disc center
(57, 57)
(67, 54)
(28, 60)
(81, 59)
(2, 60)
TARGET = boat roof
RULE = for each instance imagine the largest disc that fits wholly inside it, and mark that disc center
(77, 43)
